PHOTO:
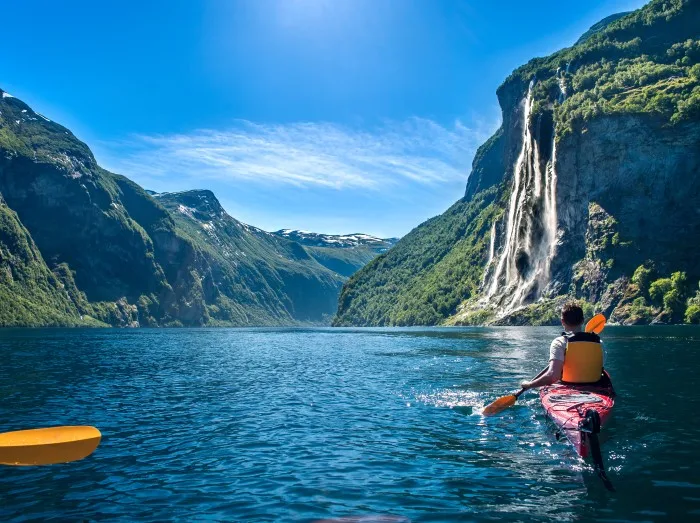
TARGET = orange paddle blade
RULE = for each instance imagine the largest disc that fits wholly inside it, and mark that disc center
(596, 324)
(499, 405)
(48, 446)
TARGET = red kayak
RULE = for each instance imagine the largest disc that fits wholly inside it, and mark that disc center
(579, 411)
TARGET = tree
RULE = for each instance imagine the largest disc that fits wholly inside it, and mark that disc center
(659, 288)
(692, 313)
(642, 277)
(674, 303)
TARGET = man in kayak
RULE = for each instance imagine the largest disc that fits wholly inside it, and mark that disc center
(583, 366)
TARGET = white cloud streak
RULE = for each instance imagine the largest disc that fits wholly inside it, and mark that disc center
(417, 151)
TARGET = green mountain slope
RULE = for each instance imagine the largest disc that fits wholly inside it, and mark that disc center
(596, 28)
(257, 276)
(593, 175)
(30, 293)
(423, 278)
(83, 245)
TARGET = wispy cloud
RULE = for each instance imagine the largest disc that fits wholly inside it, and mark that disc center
(416, 151)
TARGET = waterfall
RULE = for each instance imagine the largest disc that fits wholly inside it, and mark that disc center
(522, 270)
(562, 82)
(516, 201)
(492, 244)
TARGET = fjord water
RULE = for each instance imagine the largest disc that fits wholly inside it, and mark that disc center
(306, 424)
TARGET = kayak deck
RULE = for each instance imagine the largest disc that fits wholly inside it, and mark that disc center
(567, 405)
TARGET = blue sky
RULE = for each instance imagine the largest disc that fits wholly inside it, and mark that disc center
(334, 116)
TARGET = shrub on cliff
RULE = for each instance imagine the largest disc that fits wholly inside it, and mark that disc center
(692, 313)
(658, 290)
(671, 293)
(642, 277)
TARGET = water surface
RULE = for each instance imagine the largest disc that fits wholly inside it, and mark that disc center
(306, 424)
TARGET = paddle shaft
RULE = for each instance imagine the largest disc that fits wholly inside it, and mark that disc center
(517, 394)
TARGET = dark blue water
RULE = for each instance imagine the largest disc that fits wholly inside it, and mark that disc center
(299, 425)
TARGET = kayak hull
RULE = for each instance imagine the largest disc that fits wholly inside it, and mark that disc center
(566, 405)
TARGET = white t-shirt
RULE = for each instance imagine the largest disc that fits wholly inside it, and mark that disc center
(557, 349)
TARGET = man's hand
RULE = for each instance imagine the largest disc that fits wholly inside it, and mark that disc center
(552, 375)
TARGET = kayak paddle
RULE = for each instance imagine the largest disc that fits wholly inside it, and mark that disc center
(48, 446)
(596, 324)
(504, 402)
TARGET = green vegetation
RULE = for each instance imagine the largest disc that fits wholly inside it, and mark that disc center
(427, 274)
(643, 275)
(659, 289)
(664, 299)
(643, 63)
(37, 138)
(692, 313)
(260, 278)
(30, 293)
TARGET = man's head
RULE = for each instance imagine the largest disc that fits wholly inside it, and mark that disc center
(572, 317)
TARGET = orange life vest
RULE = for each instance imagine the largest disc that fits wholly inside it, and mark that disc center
(583, 362)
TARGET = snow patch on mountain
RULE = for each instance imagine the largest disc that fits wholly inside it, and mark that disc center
(334, 240)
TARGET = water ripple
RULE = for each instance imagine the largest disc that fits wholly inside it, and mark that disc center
(346, 425)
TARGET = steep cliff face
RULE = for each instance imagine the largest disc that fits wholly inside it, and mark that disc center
(71, 207)
(30, 294)
(597, 140)
(643, 173)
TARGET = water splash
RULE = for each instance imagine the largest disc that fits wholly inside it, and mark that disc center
(524, 263)
(465, 401)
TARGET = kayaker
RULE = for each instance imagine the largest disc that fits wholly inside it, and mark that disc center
(584, 366)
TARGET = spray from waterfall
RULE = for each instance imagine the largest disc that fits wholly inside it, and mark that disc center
(523, 263)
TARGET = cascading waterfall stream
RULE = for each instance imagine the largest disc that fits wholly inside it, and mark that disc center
(523, 263)
(515, 199)
(492, 244)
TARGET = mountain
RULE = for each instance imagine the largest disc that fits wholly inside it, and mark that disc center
(270, 278)
(344, 254)
(589, 190)
(605, 22)
(80, 245)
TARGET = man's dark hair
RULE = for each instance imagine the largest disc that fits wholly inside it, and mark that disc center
(572, 314)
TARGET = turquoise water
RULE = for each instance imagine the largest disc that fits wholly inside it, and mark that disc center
(300, 425)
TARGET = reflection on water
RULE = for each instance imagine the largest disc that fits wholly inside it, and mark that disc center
(352, 425)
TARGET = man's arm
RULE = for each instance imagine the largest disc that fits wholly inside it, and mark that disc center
(552, 375)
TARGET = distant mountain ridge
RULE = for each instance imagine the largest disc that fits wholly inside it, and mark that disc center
(80, 245)
(344, 254)
(336, 240)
